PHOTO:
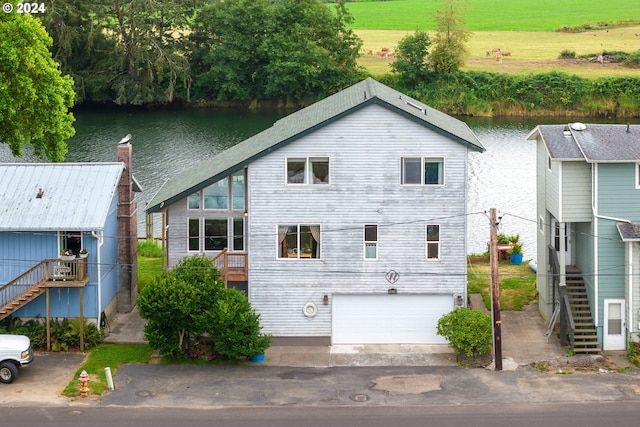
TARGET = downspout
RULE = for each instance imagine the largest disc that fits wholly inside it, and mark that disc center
(630, 294)
(99, 237)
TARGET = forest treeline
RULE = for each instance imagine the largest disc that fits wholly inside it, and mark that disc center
(254, 53)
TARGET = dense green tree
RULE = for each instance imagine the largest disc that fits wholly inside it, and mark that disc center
(290, 49)
(449, 40)
(125, 51)
(224, 53)
(34, 96)
(411, 60)
(311, 53)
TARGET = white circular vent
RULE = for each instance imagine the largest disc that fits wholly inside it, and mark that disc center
(578, 126)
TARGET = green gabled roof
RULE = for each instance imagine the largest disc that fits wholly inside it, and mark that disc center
(306, 121)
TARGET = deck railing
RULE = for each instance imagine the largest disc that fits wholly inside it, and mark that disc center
(560, 292)
(47, 270)
(230, 263)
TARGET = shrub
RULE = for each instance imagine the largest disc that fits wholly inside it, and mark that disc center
(567, 54)
(65, 333)
(468, 331)
(190, 313)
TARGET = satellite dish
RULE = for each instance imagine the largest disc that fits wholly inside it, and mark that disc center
(578, 126)
(125, 139)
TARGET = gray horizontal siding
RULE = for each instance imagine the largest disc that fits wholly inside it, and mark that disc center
(364, 151)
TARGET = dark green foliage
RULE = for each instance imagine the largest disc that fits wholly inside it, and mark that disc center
(411, 58)
(189, 312)
(468, 331)
(65, 333)
(238, 331)
(483, 93)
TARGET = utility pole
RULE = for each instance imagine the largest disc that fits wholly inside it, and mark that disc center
(495, 291)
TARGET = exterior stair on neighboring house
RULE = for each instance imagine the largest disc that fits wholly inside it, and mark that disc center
(22, 300)
(585, 335)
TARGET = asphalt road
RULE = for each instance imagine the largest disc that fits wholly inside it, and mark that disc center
(620, 414)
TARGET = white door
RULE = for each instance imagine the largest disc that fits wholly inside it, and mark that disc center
(555, 239)
(614, 338)
(388, 319)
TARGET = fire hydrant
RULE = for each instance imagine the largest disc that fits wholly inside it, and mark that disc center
(84, 380)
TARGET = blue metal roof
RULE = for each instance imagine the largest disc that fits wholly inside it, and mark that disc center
(57, 196)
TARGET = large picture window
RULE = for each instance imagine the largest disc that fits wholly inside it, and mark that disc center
(309, 170)
(422, 171)
(215, 234)
(299, 241)
(433, 241)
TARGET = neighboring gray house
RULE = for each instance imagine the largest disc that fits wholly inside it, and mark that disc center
(345, 221)
(588, 197)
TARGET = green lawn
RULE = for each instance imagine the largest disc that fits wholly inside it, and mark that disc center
(517, 283)
(492, 15)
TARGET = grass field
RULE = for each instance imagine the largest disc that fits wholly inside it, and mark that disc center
(493, 15)
(517, 283)
(526, 56)
(523, 27)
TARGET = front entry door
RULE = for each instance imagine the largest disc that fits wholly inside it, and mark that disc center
(555, 239)
(614, 325)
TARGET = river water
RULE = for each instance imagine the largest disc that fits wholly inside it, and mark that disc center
(168, 141)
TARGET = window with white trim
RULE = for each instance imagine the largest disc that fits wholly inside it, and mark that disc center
(433, 241)
(370, 241)
(215, 234)
(637, 175)
(422, 171)
(299, 241)
(308, 170)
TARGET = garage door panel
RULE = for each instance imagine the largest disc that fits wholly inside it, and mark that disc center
(388, 319)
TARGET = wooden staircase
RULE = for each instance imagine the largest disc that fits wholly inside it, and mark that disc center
(585, 335)
(33, 282)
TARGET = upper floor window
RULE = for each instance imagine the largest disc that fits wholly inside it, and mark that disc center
(299, 241)
(433, 241)
(637, 175)
(225, 194)
(370, 241)
(423, 170)
(309, 170)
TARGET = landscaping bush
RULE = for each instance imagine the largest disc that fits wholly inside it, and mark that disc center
(468, 331)
(65, 333)
(190, 313)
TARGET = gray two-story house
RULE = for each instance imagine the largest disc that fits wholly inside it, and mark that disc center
(345, 221)
(588, 197)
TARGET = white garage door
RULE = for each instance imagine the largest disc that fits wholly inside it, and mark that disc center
(388, 319)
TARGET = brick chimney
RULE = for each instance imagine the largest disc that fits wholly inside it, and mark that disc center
(127, 232)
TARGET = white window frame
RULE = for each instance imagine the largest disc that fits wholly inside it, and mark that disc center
(308, 177)
(199, 196)
(432, 242)
(297, 253)
(423, 160)
(370, 243)
(637, 175)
